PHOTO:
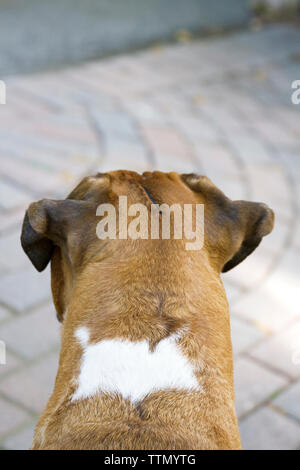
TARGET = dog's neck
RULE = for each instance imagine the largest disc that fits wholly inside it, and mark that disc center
(115, 306)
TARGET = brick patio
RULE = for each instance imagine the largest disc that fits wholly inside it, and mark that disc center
(219, 106)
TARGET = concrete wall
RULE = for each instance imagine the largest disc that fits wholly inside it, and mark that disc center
(39, 34)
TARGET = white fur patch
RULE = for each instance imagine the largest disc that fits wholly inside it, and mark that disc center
(83, 336)
(131, 369)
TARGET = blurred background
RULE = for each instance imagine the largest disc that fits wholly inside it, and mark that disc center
(169, 85)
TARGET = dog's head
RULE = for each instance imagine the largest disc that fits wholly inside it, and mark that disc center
(64, 231)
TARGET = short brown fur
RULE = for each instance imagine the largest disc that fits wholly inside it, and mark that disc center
(143, 289)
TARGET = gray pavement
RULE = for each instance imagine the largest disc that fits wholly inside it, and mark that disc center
(220, 107)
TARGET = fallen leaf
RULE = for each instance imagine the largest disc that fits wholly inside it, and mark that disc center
(255, 25)
(198, 99)
(67, 176)
(157, 48)
(260, 75)
(183, 35)
(78, 159)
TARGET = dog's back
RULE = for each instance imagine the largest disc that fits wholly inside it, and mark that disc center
(146, 357)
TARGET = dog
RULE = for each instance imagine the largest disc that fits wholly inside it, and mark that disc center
(146, 356)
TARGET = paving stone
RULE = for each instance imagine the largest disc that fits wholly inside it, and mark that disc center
(196, 129)
(253, 269)
(21, 440)
(33, 178)
(289, 157)
(125, 154)
(218, 163)
(37, 384)
(144, 111)
(269, 183)
(4, 313)
(277, 240)
(25, 288)
(249, 149)
(296, 235)
(74, 162)
(174, 163)
(233, 292)
(32, 334)
(24, 105)
(243, 335)
(265, 312)
(283, 282)
(12, 416)
(290, 116)
(254, 384)
(113, 81)
(69, 132)
(289, 400)
(233, 188)
(12, 363)
(265, 429)
(11, 196)
(62, 91)
(279, 200)
(169, 103)
(278, 136)
(229, 124)
(12, 218)
(273, 304)
(12, 254)
(117, 124)
(124, 147)
(118, 163)
(166, 141)
(2, 271)
(281, 351)
(14, 142)
(247, 105)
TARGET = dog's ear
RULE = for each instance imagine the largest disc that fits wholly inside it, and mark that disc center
(239, 225)
(37, 247)
(46, 223)
(255, 220)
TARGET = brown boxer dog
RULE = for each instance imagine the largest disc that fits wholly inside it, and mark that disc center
(146, 356)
